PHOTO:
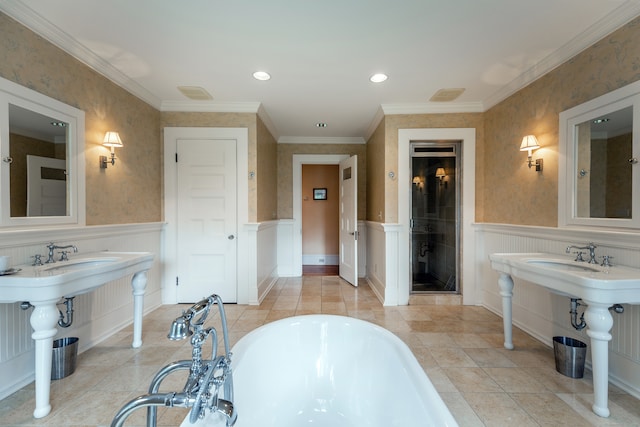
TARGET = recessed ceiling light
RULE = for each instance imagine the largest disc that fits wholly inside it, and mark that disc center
(261, 75)
(378, 78)
(321, 125)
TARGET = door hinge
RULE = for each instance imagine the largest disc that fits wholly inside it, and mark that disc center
(176, 157)
(177, 281)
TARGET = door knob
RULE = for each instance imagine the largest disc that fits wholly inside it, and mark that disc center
(231, 237)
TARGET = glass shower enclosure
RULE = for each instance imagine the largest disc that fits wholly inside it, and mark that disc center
(435, 217)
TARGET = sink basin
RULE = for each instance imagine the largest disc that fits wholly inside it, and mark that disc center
(608, 285)
(76, 264)
(78, 275)
(563, 265)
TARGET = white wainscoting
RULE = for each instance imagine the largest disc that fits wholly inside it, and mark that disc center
(544, 314)
(267, 259)
(97, 315)
(285, 248)
(383, 263)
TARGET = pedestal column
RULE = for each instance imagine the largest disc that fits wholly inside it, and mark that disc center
(43, 321)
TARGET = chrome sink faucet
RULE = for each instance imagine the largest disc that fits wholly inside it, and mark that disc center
(51, 246)
(592, 252)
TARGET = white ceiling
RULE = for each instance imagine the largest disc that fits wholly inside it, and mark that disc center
(321, 54)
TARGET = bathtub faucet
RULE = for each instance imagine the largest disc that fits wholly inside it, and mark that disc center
(209, 386)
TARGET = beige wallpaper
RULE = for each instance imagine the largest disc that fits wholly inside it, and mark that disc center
(414, 121)
(524, 196)
(376, 176)
(266, 174)
(128, 192)
(285, 172)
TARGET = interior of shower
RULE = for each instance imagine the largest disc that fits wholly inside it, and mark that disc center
(435, 217)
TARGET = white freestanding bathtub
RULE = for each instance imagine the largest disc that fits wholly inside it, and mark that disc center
(329, 371)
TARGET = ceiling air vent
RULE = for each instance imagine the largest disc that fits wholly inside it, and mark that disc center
(445, 95)
(195, 92)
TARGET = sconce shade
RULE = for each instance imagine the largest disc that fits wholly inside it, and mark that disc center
(112, 139)
(417, 180)
(529, 142)
(440, 173)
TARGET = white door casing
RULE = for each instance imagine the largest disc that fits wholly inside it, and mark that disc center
(470, 295)
(170, 236)
(349, 219)
(298, 161)
(206, 219)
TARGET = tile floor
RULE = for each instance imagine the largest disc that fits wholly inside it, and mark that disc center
(459, 347)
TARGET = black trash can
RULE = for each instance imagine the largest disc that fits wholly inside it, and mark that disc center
(570, 355)
(63, 362)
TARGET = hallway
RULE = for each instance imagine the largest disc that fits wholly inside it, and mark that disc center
(460, 348)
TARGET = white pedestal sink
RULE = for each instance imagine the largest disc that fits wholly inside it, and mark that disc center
(43, 286)
(599, 287)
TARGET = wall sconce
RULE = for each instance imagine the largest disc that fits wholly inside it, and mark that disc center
(111, 139)
(440, 174)
(417, 180)
(530, 143)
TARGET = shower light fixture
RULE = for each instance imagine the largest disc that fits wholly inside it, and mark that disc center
(530, 143)
(111, 139)
(440, 174)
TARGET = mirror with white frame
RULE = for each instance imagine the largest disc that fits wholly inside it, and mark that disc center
(42, 159)
(598, 172)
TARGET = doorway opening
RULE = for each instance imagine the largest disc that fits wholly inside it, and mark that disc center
(435, 216)
(320, 211)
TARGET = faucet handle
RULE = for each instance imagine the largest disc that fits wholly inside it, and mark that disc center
(579, 256)
(606, 261)
(37, 260)
(63, 256)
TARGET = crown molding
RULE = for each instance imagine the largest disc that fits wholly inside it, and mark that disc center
(210, 106)
(266, 119)
(36, 23)
(433, 108)
(614, 20)
(374, 123)
(320, 140)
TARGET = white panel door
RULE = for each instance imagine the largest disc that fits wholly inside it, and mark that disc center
(46, 192)
(349, 220)
(206, 219)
